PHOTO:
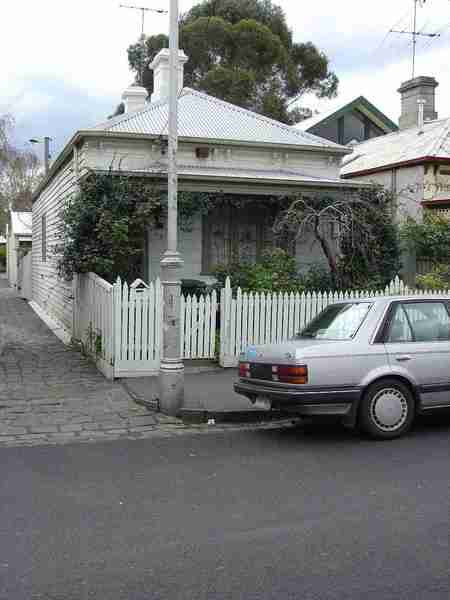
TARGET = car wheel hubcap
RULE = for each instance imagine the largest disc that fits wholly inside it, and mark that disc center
(389, 409)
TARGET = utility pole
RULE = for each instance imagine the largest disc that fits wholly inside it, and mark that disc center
(415, 34)
(143, 10)
(171, 376)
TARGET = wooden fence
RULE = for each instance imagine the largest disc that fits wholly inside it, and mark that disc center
(137, 328)
(93, 320)
(253, 318)
(121, 326)
(198, 326)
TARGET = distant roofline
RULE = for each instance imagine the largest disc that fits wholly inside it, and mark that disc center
(387, 124)
(405, 163)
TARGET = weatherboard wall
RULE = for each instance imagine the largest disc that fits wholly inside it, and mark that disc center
(51, 293)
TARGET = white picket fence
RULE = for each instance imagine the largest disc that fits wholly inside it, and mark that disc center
(137, 328)
(121, 326)
(259, 318)
(93, 320)
(198, 326)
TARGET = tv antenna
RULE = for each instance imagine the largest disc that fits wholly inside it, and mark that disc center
(415, 34)
(143, 9)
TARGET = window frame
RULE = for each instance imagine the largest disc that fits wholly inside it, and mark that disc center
(381, 337)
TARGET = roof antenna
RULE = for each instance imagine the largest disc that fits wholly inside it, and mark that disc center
(415, 34)
(143, 10)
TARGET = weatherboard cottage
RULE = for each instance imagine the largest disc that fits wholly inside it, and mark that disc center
(222, 149)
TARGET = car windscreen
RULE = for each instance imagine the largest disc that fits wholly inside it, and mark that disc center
(337, 322)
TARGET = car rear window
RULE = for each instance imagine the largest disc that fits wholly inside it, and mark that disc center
(337, 322)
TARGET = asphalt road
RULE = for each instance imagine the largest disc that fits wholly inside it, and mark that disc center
(304, 514)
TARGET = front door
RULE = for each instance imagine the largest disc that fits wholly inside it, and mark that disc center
(418, 342)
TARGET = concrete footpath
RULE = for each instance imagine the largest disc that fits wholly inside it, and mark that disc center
(208, 395)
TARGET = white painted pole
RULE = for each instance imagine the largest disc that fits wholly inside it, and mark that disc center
(171, 378)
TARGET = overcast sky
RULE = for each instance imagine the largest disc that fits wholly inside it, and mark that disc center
(64, 63)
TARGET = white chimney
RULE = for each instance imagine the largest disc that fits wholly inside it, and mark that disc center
(134, 98)
(160, 67)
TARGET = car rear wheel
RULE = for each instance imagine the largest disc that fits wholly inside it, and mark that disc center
(387, 409)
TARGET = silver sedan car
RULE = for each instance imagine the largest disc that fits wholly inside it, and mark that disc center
(375, 362)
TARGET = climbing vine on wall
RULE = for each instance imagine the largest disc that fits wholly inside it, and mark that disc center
(105, 222)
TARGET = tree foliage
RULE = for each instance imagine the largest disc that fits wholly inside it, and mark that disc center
(243, 52)
(429, 239)
(275, 272)
(355, 232)
(104, 227)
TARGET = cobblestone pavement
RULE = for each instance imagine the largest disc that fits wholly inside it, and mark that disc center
(50, 393)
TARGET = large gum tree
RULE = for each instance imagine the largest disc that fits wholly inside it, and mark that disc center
(243, 51)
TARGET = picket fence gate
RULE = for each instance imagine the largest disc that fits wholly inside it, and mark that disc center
(120, 326)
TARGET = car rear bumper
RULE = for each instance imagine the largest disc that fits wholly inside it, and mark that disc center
(316, 401)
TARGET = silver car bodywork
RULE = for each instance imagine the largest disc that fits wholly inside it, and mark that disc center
(340, 371)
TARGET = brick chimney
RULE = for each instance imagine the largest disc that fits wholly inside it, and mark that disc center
(160, 67)
(413, 90)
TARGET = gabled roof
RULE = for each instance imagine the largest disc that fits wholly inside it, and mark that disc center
(362, 104)
(204, 117)
(400, 148)
(21, 223)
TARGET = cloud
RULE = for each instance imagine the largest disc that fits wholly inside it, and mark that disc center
(56, 109)
(67, 66)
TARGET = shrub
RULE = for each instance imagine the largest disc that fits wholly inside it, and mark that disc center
(275, 272)
(437, 279)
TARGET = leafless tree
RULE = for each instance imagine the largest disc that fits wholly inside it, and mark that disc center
(20, 172)
(337, 223)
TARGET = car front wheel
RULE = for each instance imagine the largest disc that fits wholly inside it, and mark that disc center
(387, 409)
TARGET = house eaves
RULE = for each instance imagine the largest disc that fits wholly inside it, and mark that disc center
(280, 177)
(83, 134)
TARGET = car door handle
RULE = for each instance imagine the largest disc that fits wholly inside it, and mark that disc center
(403, 357)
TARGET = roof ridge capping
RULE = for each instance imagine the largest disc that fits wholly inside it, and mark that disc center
(257, 116)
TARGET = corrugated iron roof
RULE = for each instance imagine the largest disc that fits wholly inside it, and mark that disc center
(204, 117)
(281, 176)
(402, 146)
(21, 223)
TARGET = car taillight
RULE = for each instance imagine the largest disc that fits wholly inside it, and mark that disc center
(244, 370)
(290, 374)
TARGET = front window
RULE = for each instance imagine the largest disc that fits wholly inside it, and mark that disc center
(337, 322)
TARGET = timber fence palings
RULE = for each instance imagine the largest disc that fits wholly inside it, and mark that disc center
(121, 325)
(93, 319)
(265, 318)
